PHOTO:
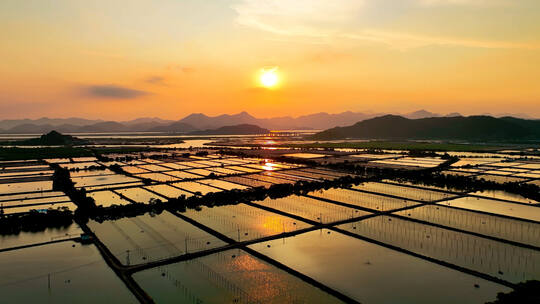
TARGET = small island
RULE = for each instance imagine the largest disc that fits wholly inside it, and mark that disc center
(52, 138)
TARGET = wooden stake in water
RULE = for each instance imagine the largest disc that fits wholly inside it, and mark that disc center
(49, 281)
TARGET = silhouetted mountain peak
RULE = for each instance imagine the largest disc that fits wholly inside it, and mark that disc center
(244, 114)
(421, 114)
(467, 128)
(53, 138)
(196, 115)
(241, 129)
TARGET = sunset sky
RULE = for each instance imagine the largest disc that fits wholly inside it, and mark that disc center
(113, 59)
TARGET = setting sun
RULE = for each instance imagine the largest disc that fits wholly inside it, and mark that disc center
(269, 77)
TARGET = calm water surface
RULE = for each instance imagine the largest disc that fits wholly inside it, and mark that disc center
(76, 273)
(373, 274)
(231, 276)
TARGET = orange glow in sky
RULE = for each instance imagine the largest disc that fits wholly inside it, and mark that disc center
(126, 59)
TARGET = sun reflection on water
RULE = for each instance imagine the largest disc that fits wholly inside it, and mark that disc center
(268, 166)
(273, 223)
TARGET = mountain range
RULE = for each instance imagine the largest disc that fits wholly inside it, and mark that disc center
(196, 122)
(462, 128)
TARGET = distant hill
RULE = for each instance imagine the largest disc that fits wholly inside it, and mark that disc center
(147, 120)
(426, 114)
(52, 138)
(107, 126)
(243, 129)
(420, 114)
(465, 128)
(201, 121)
(10, 123)
(198, 121)
(312, 121)
(175, 127)
(31, 128)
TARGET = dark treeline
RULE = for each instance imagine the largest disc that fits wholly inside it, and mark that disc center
(35, 221)
(87, 208)
(359, 172)
(523, 293)
(62, 182)
(213, 199)
(433, 177)
(89, 168)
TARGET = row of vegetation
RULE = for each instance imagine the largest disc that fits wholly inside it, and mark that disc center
(88, 209)
(213, 199)
(42, 153)
(395, 145)
(434, 177)
(55, 218)
(34, 221)
(14, 153)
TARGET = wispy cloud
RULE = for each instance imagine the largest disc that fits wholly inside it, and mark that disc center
(465, 2)
(157, 80)
(299, 17)
(324, 21)
(112, 91)
(179, 67)
(405, 41)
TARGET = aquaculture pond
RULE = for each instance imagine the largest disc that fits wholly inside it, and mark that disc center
(244, 169)
(175, 166)
(65, 272)
(154, 168)
(497, 259)
(269, 179)
(102, 180)
(370, 273)
(201, 172)
(134, 169)
(523, 211)
(231, 276)
(305, 155)
(362, 199)
(152, 237)
(35, 201)
(284, 175)
(107, 198)
(139, 195)
(225, 185)
(195, 187)
(326, 172)
(23, 196)
(499, 194)
(404, 191)
(312, 209)
(525, 232)
(13, 188)
(24, 238)
(168, 191)
(500, 179)
(243, 222)
(158, 177)
(223, 171)
(306, 174)
(42, 208)
(183, 174)
(249, 182)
